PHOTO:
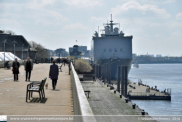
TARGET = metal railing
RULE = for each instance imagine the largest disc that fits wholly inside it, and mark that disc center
(80, 102)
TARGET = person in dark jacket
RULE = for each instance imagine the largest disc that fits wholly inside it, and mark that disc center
(53, 74)
(28, 68)
(15, 69)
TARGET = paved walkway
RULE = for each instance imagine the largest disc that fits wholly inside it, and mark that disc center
(107, 104)
(13, 93)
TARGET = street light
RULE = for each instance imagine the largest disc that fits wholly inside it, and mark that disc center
(59, 58)
(22, 51)
(35, 55)
(4, 42)
(28, 51)
(14, 42)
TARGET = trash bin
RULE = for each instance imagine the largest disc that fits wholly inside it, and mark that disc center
(134, 106)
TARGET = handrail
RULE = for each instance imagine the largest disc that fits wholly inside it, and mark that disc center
(81, 104)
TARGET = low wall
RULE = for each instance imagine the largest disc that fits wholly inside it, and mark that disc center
(80, 102)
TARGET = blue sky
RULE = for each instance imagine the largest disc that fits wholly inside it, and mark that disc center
(156, 25)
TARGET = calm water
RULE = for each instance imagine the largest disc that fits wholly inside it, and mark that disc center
(163, 76)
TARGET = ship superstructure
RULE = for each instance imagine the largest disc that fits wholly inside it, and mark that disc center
(112, 45)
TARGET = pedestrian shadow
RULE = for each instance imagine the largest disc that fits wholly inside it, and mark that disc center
(56, 90)
(37, 100)
(16, 81)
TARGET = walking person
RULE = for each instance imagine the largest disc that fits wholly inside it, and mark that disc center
(15, 69)
(53, 74)
(93, 77)
(28, 68)
(49, 59)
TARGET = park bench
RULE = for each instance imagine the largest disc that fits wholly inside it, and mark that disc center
(87, 91)
(36, 86)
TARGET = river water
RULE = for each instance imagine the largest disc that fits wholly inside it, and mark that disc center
(163, 76)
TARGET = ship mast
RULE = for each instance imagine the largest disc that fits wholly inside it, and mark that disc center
(111, 24)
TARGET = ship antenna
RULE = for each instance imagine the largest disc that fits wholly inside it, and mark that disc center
(111, 19)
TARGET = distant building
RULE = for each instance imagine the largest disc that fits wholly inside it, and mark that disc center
(83, 50)
(158, 55)
(134, 55)
(21, 45)
(75, 52)
(151, 55)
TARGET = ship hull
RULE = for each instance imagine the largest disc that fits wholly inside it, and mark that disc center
(113, 67)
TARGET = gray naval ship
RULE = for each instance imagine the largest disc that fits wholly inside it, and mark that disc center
(111, 47)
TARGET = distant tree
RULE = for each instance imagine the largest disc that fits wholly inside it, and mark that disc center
(82, 65)
(41, 50)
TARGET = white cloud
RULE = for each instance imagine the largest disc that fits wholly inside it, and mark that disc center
(179, 16)
(75, 26)
(83, 3)
(133, 5)
(156, 1)
(34, 4)
(177, 33)
(96, 18)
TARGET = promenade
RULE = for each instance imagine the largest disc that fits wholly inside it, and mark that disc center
(13, 93)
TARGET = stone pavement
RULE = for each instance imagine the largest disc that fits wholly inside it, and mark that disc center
(13, 93)
(108, 106)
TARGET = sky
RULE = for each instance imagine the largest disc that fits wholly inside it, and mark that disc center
(156, 25)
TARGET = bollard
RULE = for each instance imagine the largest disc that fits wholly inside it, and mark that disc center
(126, 100)
(120, 96)
(143, 112)
(114, 92)
(134, 106)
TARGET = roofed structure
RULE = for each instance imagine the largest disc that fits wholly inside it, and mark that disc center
(21, 43)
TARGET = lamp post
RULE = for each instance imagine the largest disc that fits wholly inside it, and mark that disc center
(59, 58)
(4, 42)
(22, 51)
(28, 51)
(14, 43)
(91, 57)
(35, 55)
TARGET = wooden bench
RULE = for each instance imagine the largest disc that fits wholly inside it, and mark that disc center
(36, 86)
(87, 92)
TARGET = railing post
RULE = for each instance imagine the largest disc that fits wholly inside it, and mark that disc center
(95, 70)
(126, 80)
(118, 78)
(122, 81)
(109, 73)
